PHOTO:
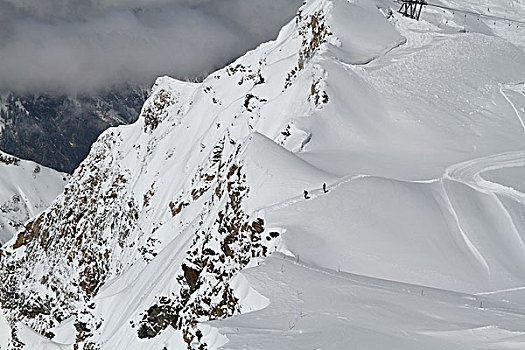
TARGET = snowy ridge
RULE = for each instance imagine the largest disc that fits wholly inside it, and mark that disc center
(335, 145)
(26, 189)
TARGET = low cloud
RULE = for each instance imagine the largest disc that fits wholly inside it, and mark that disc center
(72, 46)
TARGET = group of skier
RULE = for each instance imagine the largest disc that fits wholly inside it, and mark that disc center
(306, 196)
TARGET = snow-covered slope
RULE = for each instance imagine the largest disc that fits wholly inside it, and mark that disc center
(26, 189)
(510, 9)
(376, 157)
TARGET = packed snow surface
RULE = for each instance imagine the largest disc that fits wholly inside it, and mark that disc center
(356, 183)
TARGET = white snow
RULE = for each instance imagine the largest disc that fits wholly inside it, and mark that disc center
(5, 332)
(26, 189)
(417, 131)
(313, 308)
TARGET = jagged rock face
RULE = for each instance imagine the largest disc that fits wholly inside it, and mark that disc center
(163, 213)
(58, 131)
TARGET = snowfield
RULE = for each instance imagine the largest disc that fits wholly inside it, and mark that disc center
(26, 189)
(356, 183)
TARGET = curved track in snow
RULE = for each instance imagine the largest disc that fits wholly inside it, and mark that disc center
(519, 89)
(470, 173)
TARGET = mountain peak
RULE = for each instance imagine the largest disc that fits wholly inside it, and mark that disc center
(321, 145)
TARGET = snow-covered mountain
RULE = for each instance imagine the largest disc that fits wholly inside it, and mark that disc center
(58, 130)
(26, 189)
(354, 183)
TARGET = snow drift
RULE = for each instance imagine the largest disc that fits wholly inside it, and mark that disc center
(357, 178)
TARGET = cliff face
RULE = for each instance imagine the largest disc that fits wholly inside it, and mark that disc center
(148, 237)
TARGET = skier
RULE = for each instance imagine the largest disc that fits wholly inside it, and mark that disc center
(324, 188)
(306, 196)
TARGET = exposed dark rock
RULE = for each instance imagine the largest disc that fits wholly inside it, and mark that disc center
(157, 318)
(191, 275)
(258, 225)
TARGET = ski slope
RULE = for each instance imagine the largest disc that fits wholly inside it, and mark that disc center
(314, 308)
(356, 183)
(511, 9)
(439, 212)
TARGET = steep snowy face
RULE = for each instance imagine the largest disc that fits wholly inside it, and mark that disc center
(144, 243)
(26, 189)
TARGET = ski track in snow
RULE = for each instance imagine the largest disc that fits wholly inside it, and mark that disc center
(397, 286)
(472, 248)
(374, 282)
(470, 173)
(313, 193)
(26, 201)
(467, 172)
(481, 302)
(513, 225)
(501, 291)
(513, 106)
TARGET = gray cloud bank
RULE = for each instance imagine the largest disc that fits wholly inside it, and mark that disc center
(74, 46)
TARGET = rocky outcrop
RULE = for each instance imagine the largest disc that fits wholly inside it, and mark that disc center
(161, 215)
